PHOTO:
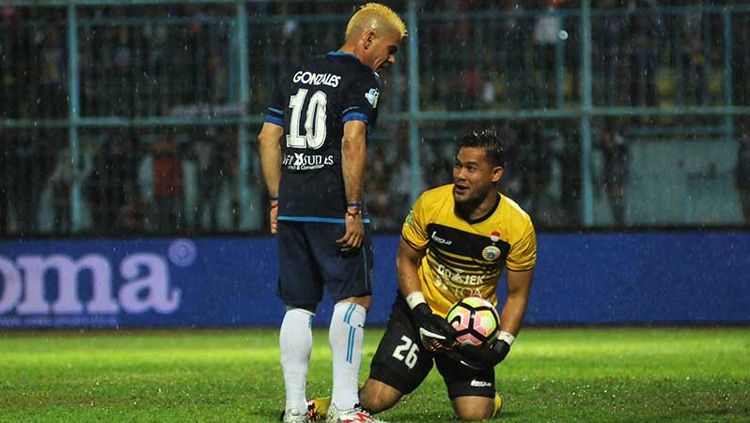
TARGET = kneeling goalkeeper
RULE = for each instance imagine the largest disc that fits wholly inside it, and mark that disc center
(455, 243)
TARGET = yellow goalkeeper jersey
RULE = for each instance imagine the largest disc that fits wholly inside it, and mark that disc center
(465, 258)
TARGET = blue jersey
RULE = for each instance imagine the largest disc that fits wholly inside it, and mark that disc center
(312, 103)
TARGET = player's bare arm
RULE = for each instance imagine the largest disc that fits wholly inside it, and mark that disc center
(407, 262)
(434, 332)
(353, 164)
(519, 286)
(269, 144)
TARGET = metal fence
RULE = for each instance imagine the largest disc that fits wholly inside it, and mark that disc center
(142, 119)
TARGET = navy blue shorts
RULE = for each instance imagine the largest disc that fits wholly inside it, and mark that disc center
(309, 258)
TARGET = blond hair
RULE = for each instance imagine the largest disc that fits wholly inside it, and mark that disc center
(377, 12)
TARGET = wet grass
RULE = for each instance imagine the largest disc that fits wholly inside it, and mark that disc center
(564, 375)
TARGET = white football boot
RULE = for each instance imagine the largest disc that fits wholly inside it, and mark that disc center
(294, 416)
(352, 415)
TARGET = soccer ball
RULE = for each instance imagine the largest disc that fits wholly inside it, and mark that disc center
(475, 319)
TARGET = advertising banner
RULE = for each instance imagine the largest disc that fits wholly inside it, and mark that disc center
(216, 282)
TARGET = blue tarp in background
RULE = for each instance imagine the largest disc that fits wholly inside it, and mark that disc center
(613, 278)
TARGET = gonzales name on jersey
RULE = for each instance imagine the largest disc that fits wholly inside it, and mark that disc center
(465, 258)
(312, 103)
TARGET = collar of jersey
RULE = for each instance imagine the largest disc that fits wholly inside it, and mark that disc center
(486, 216)
(343, 54)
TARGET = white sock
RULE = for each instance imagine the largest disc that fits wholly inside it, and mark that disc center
(295, 342)
(345, 337)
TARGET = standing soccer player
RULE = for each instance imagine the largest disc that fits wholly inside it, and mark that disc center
(313, 153)
(455, 243)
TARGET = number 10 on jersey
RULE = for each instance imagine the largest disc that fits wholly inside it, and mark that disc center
(315, 120)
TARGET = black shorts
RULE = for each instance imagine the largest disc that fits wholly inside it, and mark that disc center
(310, 258)
(403, 363)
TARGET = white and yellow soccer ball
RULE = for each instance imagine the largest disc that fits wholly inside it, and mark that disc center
(475, 320)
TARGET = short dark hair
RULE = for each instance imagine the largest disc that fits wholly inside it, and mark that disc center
(486, 139)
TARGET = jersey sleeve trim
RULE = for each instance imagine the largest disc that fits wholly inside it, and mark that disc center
(526, 269)
(355, 116)
(274, 120)
(412, 245)
(275, 116)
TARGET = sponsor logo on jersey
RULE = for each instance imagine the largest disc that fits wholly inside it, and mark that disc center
(310, 78)
(491, 253)
(372, 97)
(480, 383)
(302, 161)
(455, 276)
(454, 291)
(435, 237)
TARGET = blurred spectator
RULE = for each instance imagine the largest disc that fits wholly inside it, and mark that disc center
(9, 39)
(378, 198)
(133, 215)
(742, 171)
(96, 189)
(111, 184)
(536, 156)
(61, 181)
(122, 94)
(168, 185)
(53, 100)
(554, 201)
(741, 59)
(466, 90)
(438, 162)
(547, 29)
(194, 55)
(512, 182)
(398, 182)
(513, 55)
(230, 145)
(156, 37)
(212, 158)
(643, 56)
(570, 162)
(27, 177)
(608, 54)
(694, 61)
(288, 52)
(218, 76)
(615, 149)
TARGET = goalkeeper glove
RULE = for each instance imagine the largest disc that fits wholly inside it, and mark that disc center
(485, 357)
(435, 333)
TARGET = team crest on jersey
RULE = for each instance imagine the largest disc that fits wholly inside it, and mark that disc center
(372, 97)
(491, 253)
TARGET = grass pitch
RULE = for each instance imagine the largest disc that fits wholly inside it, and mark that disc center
(564, 375)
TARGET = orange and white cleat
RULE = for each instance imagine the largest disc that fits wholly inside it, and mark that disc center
(352, 415)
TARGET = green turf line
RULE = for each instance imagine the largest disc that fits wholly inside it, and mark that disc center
(565, 375)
